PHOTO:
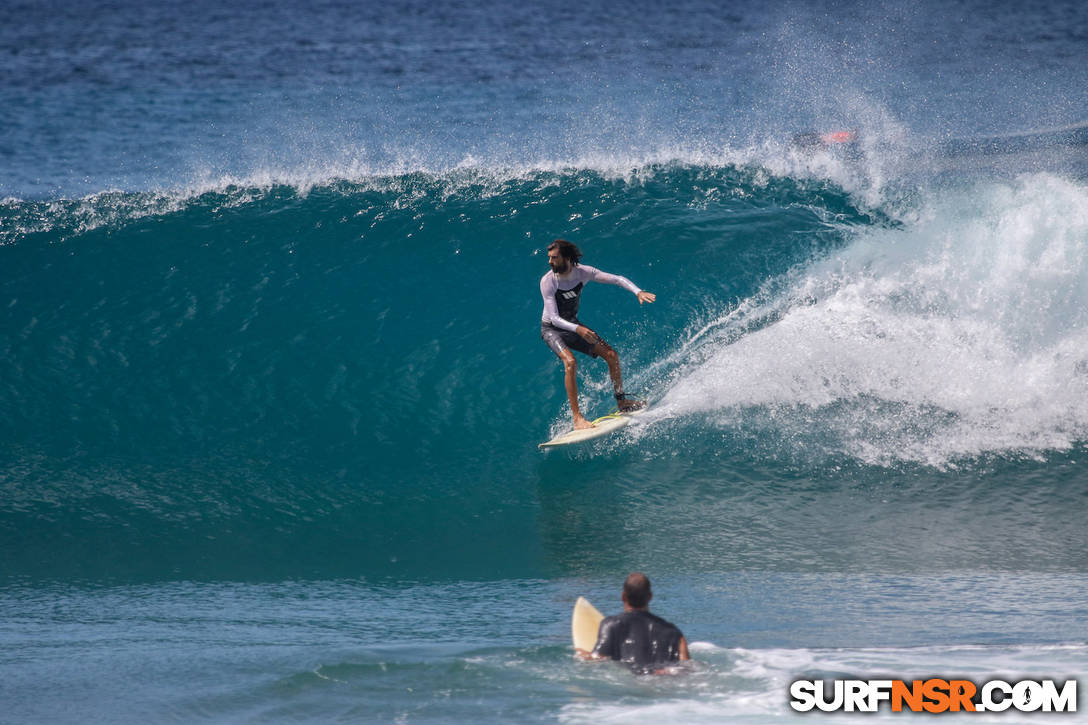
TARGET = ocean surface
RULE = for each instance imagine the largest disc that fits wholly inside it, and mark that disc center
(271, 380)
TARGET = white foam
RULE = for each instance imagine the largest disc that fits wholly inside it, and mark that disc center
(962, 333)
(752, 685)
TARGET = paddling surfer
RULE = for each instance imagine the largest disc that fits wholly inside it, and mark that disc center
(561, 329)
(642, 640)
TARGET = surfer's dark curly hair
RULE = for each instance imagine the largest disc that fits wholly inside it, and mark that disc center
(567, 250)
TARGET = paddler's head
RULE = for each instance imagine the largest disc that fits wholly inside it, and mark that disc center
(636, 591)
(563, 256)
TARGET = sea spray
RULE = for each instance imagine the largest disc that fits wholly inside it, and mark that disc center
(959, 335)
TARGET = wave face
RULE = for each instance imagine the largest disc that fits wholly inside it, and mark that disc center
(347, 378)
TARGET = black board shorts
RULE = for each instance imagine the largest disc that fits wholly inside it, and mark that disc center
(559, 340)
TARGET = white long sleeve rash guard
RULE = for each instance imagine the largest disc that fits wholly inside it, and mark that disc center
(552, 283)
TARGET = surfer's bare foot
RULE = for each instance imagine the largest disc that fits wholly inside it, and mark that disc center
(627, 405)
(581, 423)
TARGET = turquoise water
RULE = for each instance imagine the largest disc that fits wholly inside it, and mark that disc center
(499, 651)
(272, 381)
(273, 454)
(343, 377)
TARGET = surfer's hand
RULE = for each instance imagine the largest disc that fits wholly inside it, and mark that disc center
(646, 297)
(588, 335)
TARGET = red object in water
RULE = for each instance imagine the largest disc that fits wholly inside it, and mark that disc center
(839, 137)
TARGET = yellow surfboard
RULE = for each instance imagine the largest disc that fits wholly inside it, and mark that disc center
(584, 623)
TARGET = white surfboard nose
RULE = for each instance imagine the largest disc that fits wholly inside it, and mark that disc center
(584, 623)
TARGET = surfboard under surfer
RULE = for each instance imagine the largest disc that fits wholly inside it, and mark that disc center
(561, 329)
(636, 637)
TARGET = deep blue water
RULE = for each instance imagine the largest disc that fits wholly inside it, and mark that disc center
(272, 382)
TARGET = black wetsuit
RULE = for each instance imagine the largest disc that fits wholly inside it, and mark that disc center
(640, 639)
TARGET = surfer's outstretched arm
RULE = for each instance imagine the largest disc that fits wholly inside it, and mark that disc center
(620, 281)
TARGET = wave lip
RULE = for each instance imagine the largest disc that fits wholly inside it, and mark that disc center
(742, 173)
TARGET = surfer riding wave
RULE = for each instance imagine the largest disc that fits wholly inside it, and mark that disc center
(561, 329)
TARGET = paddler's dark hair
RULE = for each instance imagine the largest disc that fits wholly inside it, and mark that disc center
(567, 250)
(636, 590)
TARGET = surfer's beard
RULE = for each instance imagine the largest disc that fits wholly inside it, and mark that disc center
(561, 267)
